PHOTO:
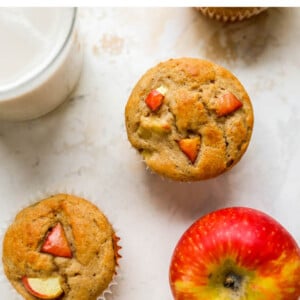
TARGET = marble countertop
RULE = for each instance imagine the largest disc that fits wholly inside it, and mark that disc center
(82, 146)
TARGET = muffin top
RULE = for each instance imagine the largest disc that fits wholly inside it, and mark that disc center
(84, 260)
(189, 118)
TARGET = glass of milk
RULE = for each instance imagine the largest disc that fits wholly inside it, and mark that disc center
(40, 60)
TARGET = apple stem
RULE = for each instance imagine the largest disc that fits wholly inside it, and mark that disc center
(232, 281)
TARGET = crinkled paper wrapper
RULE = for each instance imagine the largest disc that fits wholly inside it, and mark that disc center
(4, 282)
(221, 15)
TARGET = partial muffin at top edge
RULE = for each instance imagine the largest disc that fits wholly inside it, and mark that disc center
(63, 238)
(230, 14)
(190, 119)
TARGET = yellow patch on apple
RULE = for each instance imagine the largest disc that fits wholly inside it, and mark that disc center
(43, 288)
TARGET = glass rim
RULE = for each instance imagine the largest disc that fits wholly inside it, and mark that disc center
(44, 66)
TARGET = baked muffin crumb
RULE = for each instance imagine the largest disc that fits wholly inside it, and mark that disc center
(202, 125)
(83, 275)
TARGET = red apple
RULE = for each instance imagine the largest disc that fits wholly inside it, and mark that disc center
(43, 288)
(236, 253)
(56, 242)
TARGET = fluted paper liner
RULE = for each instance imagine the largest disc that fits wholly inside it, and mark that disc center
(5, 283)
(245, 13)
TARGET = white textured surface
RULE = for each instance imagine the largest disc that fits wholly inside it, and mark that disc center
(83, 145)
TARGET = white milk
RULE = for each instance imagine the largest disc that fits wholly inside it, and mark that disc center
(40, 60)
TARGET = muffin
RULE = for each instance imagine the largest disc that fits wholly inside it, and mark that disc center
(230, 14)
(190, 119)
(62, 247)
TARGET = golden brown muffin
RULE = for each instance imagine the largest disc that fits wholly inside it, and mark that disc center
(84, 272)
(189, 118)
(230, 14)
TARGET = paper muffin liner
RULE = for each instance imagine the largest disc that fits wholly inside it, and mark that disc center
(114, 282)
(5, 284)
(240, 15)
(7, 289)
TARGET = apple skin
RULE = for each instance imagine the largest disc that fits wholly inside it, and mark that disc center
(154, 100)
(48, 288)
(227, 104)
(190, 147)
(56, 242)
(236, 253)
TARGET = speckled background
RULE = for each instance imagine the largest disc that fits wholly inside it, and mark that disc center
(82, 145)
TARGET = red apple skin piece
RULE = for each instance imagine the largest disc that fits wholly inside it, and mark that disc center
(25, 281)
(236, 240)
(190, 147)
(227, 104)
(154, 100)
(56, 243)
